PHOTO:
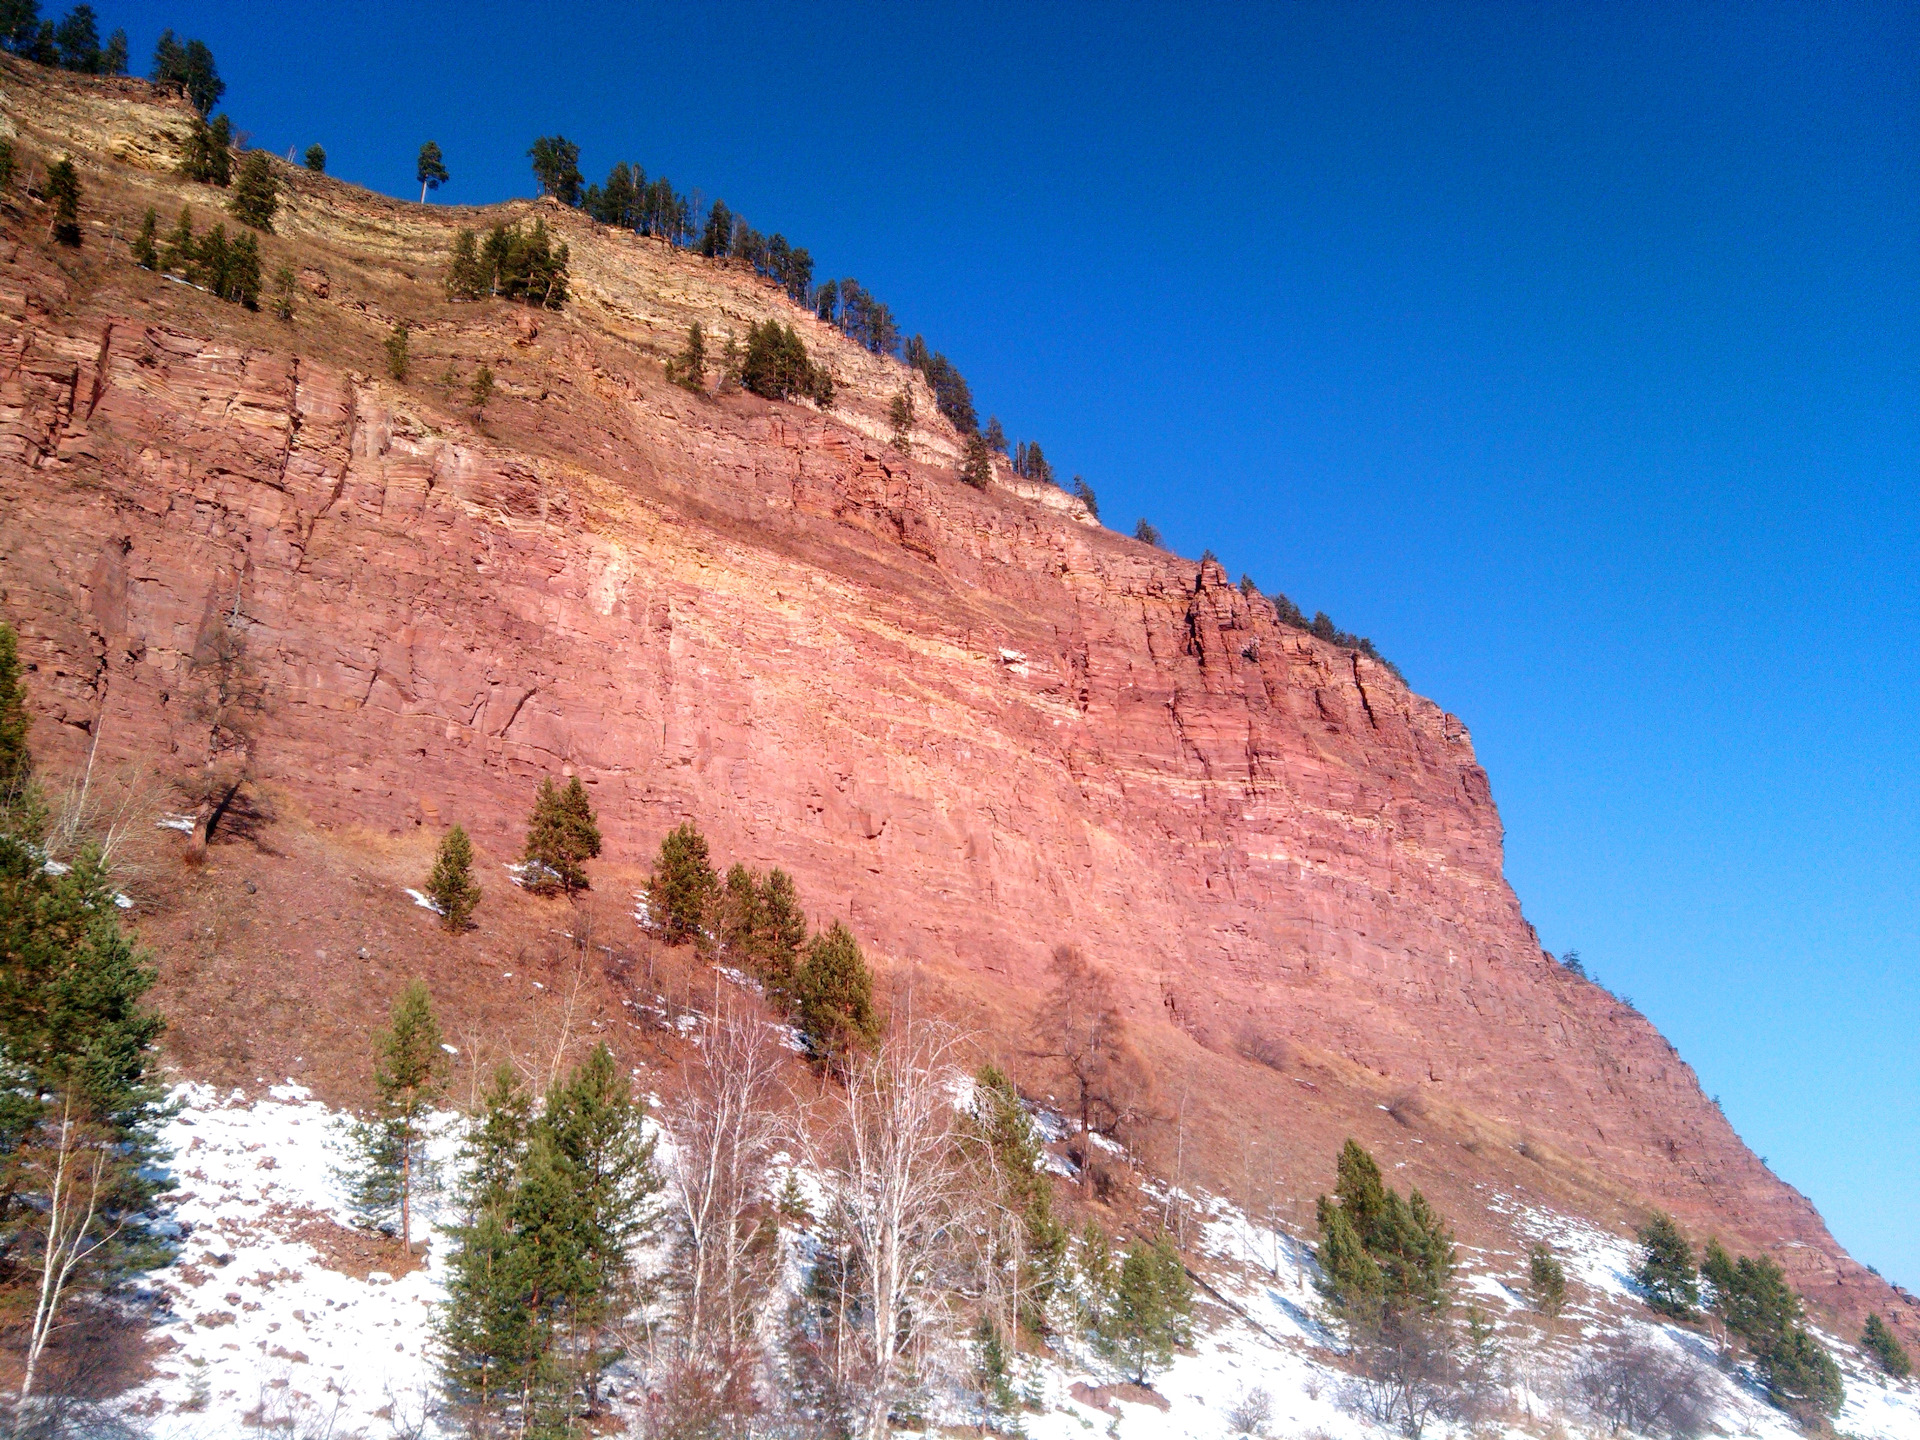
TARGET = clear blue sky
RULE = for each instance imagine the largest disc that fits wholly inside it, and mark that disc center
(1570, 352)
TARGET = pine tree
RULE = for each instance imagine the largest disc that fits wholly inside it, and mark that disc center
(190, 66)
(113, 60)
(452, 886)
(430, 170)
(1093, 1258)
(900, 420)
(16, 760)
(556, 166)
(1879, 1341)
(316, 159)
(1152, 1307)
(716, 241)
(776, 365)
(682, 890)
(833, 1000)
(285, 289)
(210, 263)
(6, 165)
(1382, 1256)
(177, 258)
(78, 39)
(256, 191)
(207, 154)
(688, 369)
(467, 278)
(1546, 1281)
(408, 1076)
(737, 914)
(977, 468)
(782, 936)
(243, 272)
(561, 836)
(1083, 492)
(1001, 1127)
(396, 348)
(145, 250)
(1147, 533)
(1753, 1299)
(1666, 1274)
(482, 389)
(63, 203)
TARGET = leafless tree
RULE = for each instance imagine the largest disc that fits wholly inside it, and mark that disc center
(890, 1158)
(725, 1126)
(67, 1164)
(1406, 1373)
(1638, 1385)
(1081, 1026)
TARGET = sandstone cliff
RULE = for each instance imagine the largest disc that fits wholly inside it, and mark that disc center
(977, 723)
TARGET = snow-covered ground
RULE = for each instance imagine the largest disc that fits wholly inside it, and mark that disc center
(267, 1323)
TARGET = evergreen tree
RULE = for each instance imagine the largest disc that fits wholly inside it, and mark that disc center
(781, 936)
(1083, 492)
(688, 369)
(396, 347)
(285, 289)
(256, 191)
(977, 468)
(900, 420)
(178, 257)
(523, 265)
(716, 241)
(16, 760)
(190, 66)
(113, 59)
(482, 390)
(1382, 1257)
(950, 390)
(1093, 1258)
(1147, 533)
(316, 159)
(1001, 1127)
(1152, 1307)
(63, 202)
(243, 272)
(1879, 1341)
(207, 153)
(6, 165)
(562, 835)
(1753, 1299)
(78, 39)
(145, 249)
(556, 167)
(682, 890)
(466, 279)
(452, 886)
(409, 1073)
(1666, 1275)
(833, 999)
(430, 170)
(1546, 1281)
(995, 437)
(776, 365)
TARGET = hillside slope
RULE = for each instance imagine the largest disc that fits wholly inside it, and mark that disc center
(976, 723)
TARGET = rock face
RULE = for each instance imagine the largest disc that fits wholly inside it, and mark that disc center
(974, 722)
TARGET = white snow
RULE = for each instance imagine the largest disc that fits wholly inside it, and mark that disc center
(256, 1323)
(426, 902)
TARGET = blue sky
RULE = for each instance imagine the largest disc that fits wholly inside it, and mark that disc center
(1570, 352)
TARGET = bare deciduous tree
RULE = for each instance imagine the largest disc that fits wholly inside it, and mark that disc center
(890, 1160)
(1647, 1388)
(1081, 1026)
(725, 1126)
(227, 696)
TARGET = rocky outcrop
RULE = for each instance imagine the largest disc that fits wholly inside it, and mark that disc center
(974, 722)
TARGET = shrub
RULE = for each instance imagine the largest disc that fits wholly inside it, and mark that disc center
(1646, 1388)
(1147, 533)
(681, 893)
(6, 164)
(285, 288)
(316, 160)
(256, 191)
